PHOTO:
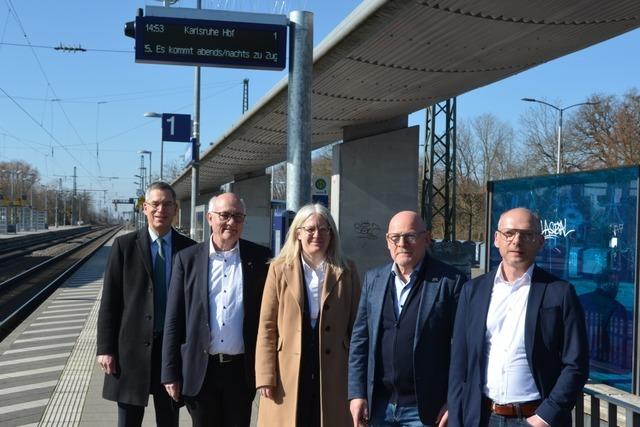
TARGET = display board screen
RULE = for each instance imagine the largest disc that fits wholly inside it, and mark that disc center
(589, 221)
(181, 41)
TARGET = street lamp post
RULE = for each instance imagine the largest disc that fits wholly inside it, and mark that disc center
(157, 116)
(560, 110)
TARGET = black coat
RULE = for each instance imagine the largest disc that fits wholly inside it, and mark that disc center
(125, 319)
(185, 346)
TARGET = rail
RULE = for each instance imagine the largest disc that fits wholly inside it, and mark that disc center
(606, 405)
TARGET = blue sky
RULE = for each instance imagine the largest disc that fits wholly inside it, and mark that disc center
(102, 95)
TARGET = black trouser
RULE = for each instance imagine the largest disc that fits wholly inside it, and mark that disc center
(308, 414)
(225, 399)
(167, 414)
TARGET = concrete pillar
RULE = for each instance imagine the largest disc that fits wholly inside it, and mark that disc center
(255, 192)
(375, 175)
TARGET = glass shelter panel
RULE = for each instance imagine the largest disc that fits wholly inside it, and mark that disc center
(589, 221)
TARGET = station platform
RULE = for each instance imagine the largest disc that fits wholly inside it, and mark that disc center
(48, 370)
(28, 233)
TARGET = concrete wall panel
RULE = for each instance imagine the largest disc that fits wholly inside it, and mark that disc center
(256, 193)
(374, 177)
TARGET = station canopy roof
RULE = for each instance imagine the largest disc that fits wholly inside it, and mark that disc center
(394, 57)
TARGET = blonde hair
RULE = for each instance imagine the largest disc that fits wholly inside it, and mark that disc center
(292, 248)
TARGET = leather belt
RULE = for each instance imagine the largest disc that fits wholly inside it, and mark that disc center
(225, 358)
(513, 410)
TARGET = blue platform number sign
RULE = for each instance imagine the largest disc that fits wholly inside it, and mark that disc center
(176, 127)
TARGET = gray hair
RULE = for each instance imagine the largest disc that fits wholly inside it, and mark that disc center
(162, 186)
(212, 203)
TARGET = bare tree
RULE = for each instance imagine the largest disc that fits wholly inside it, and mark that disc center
(486, 150)
(608, 133)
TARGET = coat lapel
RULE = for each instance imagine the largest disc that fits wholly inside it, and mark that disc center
(295, 282)
(430, 287)
(247, 278)
(479, 309)
(331, 278)
(202, 275)
(376, 298)
(143, 241)
(536, 293)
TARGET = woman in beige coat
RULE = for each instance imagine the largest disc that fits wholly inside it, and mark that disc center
(308, 308)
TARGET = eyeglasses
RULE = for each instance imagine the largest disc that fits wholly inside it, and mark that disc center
(409, 238)
(156, 205)
(527, 236)
(226, 216)
(312, 230)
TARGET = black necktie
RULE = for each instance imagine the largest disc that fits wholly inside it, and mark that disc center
(159, 287)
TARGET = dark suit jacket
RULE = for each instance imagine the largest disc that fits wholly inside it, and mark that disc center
(125, 319)
(555, 340)
(186, 333)
(440, 289)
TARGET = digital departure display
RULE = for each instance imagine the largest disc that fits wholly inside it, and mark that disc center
(179, 41)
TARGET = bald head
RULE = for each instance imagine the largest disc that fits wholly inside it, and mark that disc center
(521, 215)
(407, 240)
(226, 218)
(407, 218)
(518, 239)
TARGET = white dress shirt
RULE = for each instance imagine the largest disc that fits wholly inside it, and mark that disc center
(403, 289)
(226, 308)
(313, 279)
(509, 379)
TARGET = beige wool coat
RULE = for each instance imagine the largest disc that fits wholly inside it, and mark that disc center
(279, 343)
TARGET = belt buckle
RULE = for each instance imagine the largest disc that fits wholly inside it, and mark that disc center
(223, 358)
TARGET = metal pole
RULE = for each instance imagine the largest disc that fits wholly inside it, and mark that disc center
(150, 168)
(559, 165)
(299, 109)
(161, 154)
(195, 166)
(58, 194)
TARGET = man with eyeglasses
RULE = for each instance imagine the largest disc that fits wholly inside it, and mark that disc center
(400, 345)
(520, 353)
(212, 320)
(131, 317)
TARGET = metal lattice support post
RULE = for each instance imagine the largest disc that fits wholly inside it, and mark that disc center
(439, 180)
(245, 95)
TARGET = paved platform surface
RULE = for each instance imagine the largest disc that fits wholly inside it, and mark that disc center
(48, 373)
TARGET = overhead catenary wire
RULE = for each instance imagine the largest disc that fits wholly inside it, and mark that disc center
(14, 13)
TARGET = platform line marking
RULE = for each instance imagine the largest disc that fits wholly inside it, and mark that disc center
(67, 310)
(58, 329)
(39, 348)
(61, 316)
(50, 337)
(27, 387)
(22, 406)
(58, 322)
(37, 371)
(33, 359)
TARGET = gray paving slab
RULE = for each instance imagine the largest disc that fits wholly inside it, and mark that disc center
(54, 354)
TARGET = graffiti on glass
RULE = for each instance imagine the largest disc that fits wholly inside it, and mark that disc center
(555, 229)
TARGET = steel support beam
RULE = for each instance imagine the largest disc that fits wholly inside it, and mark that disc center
(439, 179)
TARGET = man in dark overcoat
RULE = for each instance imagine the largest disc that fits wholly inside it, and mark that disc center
(131, 316)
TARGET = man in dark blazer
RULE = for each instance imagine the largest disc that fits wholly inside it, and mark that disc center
(399, 353)
(131, 316)
(520, 348)
(212, 320)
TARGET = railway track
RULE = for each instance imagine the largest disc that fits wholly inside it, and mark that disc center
(26, 281)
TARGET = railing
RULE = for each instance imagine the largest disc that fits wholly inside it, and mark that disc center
(606, 405)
